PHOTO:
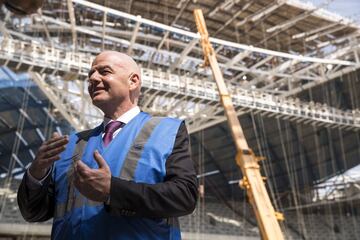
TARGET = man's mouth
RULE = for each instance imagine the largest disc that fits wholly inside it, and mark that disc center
(97, 91)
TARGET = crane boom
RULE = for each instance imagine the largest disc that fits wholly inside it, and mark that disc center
(252, 181)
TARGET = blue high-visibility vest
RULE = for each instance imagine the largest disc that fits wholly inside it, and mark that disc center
(134, 154)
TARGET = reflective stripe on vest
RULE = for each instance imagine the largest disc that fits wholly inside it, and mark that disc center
(127, 171)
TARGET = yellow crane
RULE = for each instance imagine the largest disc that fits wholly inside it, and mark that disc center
(252, 181)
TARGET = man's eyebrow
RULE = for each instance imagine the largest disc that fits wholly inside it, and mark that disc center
(102, 67)
(97, 67)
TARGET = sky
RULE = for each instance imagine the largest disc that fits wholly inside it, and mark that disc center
(346, 8)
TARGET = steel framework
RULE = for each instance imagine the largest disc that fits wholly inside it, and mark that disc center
(62, 76)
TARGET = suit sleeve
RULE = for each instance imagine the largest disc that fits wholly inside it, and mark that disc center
(36, 205)
(174, 197)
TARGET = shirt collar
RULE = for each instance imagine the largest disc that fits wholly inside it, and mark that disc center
(126, 117)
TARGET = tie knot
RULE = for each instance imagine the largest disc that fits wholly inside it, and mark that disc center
(111, 127)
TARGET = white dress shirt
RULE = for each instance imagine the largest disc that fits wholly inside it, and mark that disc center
(125, 118)
(34, 183)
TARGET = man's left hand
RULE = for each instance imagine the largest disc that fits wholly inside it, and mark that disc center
(93, 183)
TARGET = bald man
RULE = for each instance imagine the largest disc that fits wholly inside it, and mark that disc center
(128, 178)
(22, 7)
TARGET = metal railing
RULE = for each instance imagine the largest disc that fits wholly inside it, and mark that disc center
(34, 55)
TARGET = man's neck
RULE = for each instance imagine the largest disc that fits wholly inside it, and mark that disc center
(118, 112)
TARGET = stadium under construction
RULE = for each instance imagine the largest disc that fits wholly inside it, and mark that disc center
(275, 82)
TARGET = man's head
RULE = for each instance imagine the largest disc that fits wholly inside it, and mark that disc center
(114, 82)
(23, 7)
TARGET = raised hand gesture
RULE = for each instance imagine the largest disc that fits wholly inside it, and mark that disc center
(48, 153)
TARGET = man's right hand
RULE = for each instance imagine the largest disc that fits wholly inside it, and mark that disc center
(48, 153)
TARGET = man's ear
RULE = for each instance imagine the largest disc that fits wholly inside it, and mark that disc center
(134, 80)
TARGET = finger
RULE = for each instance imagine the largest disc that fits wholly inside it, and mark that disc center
(45, 152)
(51, 160)
(56, 138)
(100, 160)
(46, 162)
(56, 144)
(53, 152)
(82, 169)
(55, 135)
(53, 139)
(76, 182)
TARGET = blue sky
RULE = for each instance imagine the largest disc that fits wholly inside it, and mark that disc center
(346, 8)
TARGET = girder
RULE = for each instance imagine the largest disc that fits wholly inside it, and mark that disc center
(73, 22)
(187, 52)
(320, 78)
(164, 93)
(61, 98)
(314, 31)
(179, 87)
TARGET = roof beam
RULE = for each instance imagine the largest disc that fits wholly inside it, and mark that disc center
(129, 5)
(222, 6)
(228, 22)
(256, 65)
(238, 57)
(289, 23)
(201, 94)
(320, 80)
(259, 14)
(133, 37)
(315, 36)
(326, 78)
(73, 22)
(321, 13)
(166, 35)
(266, 11)
(55, 100)
(5, 123)
(339, 40)
(316, 30)
(46, 29)
(103, 32)
(212, 40)
(183, 54)
(84, 30)
(16, 158)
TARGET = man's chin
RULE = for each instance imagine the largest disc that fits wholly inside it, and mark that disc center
(98, 102)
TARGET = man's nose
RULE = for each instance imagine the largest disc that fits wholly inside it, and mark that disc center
(94, 77)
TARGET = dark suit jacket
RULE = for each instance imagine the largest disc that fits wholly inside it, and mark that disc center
(176, 196)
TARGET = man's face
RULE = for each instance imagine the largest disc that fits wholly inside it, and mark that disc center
(108, 80)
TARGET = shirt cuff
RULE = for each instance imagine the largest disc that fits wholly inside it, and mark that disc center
(34, 183)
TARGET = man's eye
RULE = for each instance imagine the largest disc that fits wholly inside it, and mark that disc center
(104, 72)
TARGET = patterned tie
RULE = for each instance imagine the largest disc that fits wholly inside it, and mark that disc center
(110, 128)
